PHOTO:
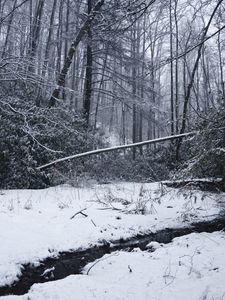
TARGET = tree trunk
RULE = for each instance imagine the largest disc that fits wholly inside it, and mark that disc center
(35, 32)
(134, 88)
(88, 74)
(171, 73)
(49, 39)
(67, 12)
(100, 87)
(176, 71)
(221, 69)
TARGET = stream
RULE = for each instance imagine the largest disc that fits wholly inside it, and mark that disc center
(67, 263)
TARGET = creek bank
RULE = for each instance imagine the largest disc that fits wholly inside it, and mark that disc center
(67, 263)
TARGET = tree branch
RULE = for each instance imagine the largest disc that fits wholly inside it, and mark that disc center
(19, 5)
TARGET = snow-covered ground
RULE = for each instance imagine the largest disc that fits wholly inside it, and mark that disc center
(36, 224)
(192, 267)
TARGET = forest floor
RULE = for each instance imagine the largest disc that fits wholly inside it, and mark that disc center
(38, 224)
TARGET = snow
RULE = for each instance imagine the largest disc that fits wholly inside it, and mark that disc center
(208, 179)
(191, 267)
(37, 223)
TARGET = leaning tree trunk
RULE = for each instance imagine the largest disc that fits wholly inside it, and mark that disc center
(69, 58)
(115, 148)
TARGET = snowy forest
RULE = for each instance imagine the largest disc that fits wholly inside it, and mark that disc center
(79, 76)
(112, 149)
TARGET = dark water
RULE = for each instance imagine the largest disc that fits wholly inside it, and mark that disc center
(67, 263)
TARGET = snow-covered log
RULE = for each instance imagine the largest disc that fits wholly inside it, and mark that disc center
(110, 149)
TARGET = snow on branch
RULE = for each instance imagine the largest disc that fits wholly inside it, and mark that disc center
(110, 149)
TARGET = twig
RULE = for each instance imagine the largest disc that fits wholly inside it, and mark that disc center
(79, 212)
(12, 11)
(114, 254)
(93, 223)
(129, 268)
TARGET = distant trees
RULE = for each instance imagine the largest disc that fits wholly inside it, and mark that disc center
(193, 73)
(68, 59)
(76, 74)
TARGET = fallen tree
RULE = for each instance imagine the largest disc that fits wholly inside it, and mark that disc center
(121, 147)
